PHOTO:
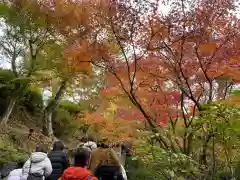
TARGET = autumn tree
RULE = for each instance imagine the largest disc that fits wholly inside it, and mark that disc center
(169, 65)
(72, 23)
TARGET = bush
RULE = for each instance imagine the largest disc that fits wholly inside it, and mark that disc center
(9, 153)
(32, 99)
(5, 91)
(137, 170)
(152, 162)
(221, 120)
(70, 107)
(6, 75)
(63, 122)
(74, 108)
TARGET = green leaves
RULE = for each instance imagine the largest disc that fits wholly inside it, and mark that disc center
(236, 93)
(162, 164)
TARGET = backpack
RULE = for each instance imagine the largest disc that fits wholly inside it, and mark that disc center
(105, 172)
(34, 176)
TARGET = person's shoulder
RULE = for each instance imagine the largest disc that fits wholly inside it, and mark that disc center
(46, 160)
(91, 178)
(94, 178)
(56, 154)
(13, 178)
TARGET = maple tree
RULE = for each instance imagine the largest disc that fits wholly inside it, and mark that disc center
(66, 18)
(168, 65)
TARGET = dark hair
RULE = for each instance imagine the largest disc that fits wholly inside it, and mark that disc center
(102, 145)
(58, 146)
(83, 139)
(41, 148)
(30, 132)
(20, 164)
(81, 157)
(118, 145)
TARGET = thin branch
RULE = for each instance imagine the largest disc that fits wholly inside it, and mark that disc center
(123, 51)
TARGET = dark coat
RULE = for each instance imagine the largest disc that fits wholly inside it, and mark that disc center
(7, 168)
(59, 162)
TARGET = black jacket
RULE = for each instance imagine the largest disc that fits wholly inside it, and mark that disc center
(59, 162)
(7, 168)
(106, 172)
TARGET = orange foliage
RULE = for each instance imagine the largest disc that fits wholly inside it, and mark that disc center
(117, 130)
(182, 55)
(166, 67)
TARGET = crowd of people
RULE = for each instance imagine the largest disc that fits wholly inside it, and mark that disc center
(89, 162)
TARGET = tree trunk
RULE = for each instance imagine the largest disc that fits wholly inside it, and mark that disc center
(47, 128)
(8, 111)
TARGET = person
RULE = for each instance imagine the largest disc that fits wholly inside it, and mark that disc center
(83, 140)
(38, 166)
(7, 168)
(59, 160)
(106, 165)
(87, 142)
(16, 173)
(30, 133)
(79, 171)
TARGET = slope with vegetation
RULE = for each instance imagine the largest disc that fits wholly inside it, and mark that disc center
(125, 71)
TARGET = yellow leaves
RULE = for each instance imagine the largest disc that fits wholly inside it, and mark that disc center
(208, 48)
(235, 60)
(112, 107)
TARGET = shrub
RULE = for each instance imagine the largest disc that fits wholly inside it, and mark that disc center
(70, 107)
(9, 153)
(32, 99)
(5, 90)
(74, 108)
(152, 162)
(6, 75)
(63, 122)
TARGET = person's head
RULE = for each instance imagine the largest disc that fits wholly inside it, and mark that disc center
(41, 148)
(106, 156)
(84, 139)
(82, 157)
(30, 132)
(58, 146)
(102, 145)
